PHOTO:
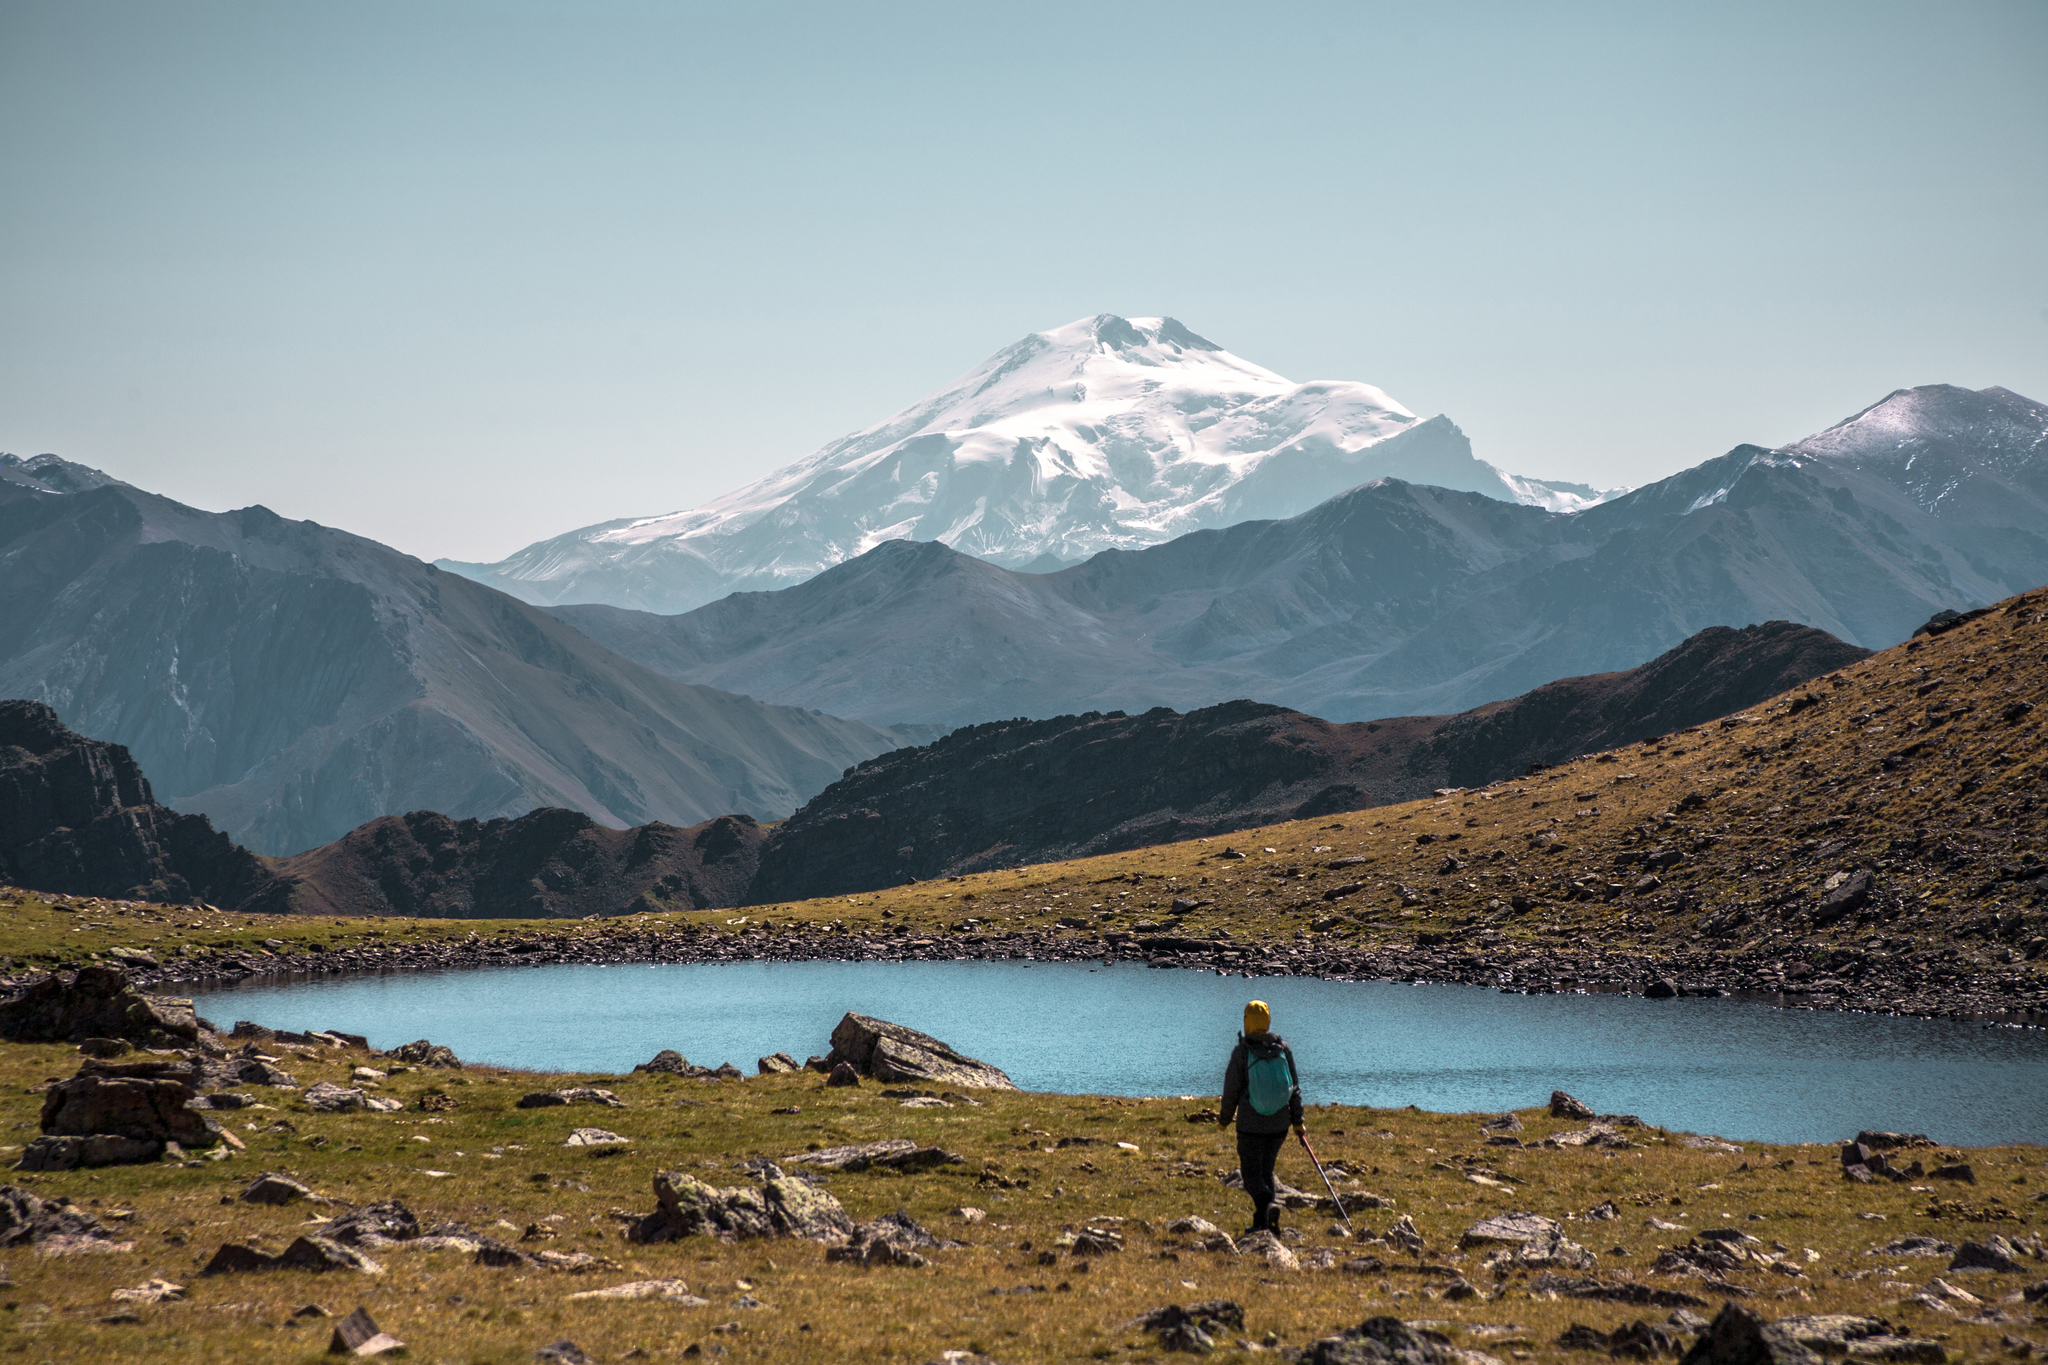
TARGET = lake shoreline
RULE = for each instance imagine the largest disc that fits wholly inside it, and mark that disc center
(1772, 979)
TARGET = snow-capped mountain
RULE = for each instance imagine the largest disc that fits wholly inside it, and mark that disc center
(1107, 433)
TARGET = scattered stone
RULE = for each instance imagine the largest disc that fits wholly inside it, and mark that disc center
(1547, 1251)
(436, 1101)
(786, 1206)
(1601, 1213)
(884, 1051)
(1738, 1336)
(357, 1335)
(674, 1291)
(373, 1225)
(1707, 1144)
(1563, 1106)
(1591, 1287)
(424, 1053)
(1275, 1252)
(897, 1154)
(594, 1137)
(1914, 1246)
(1637, 1340)
(575, 1094)
(1994, 1254)
(151, 1291)
(893, 1239)
(51, 1228)
(1195, 1328)
(1508, 1229)
(563, 1352)
(1383, 1341)
(272, 1188)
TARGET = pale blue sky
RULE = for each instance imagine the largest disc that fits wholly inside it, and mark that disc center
(460, 276)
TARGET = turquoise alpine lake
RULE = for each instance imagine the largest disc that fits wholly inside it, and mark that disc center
(1740, 1069)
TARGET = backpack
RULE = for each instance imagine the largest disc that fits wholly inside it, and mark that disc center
(1269, 1082)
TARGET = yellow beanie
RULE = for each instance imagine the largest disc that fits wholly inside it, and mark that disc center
(1257, 1018)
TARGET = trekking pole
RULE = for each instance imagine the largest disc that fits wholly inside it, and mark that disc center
(1303, 1135)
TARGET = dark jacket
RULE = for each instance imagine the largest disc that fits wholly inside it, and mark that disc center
(1236, 1100)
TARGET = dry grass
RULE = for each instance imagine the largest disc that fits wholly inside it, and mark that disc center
(506, 1169)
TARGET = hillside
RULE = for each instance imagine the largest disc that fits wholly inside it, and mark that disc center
(1016, 792)
(1400, 599)
(1107, 433)
(291, 681)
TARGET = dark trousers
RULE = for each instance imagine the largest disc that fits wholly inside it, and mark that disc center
(1256, 1153)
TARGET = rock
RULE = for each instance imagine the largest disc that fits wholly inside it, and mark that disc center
(1403, 1234)
(105, 1049)
(140, 1100)
(1547, 1251)
(1995, 1254)
(373, 1225)
(594, 1137)
(1849, 895)
(667, 1062)
(272, 1188)
(575, 1094)
(53, 1229)
(1508, 1229)
(424, 1053)
(1637, 1340)
(1707, 1144)
(893, 1239)
(329, 1098)
(233, 1258)
(843, 1075)
(782, 1207)
(776, 1063)
(898, 1154)
(1591, 1287)
(96, 1149)
(1563, 1106)
(1914, 1246)
(151, 1291)
(1959, 1171)
(1663, 988)
(1506, 1123)
(1197, 1228)
(1275, 1252)
(890, 1052)
(674, 1291)
(563, 1352)
(1382, 1341)
(1839, 1334)
(1737, 1336)
(357, 1335)
(1195, 1328)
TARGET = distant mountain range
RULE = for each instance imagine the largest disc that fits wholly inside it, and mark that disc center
(292, 681)
(1107, 433)
(1394, 598)
(78, 816)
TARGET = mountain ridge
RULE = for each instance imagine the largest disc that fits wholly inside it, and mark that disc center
(1104, 433)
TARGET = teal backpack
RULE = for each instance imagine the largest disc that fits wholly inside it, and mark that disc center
(1269, 1082)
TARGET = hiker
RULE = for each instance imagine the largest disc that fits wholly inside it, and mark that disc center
(1262, 1091)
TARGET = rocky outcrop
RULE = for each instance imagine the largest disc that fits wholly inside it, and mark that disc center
(1026, 791)
(144, 1102)
(1383, 1341)
(547, 862)
(890, 1052)
(27, 1220)
(77, 817)
(96, 1003)
(783, 1206)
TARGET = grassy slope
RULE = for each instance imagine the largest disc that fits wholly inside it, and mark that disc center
(507, 1166)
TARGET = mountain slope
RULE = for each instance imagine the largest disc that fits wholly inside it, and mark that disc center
(293, 681)
(1016, 792)
(1394, 599)
(1107, 433)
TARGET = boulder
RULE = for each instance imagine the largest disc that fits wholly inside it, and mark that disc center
(424, 1053)
(1550, 1251)
(1993, 1254)
(373, 1225)
(272, 1188)
(1382, 1341)
(305, 1253)
(1663, 988)
(1508, 1229)
(575, 1094)
(783, 1206)
(594, 1137)
(777, 1063)
(1844, 895)
(96, 1002)
(53, 1229)
(1197, 1329)
(1738, 1336)
(1563, 1106)
(1270, 1249)
(891, 1052)
(893, 1239)
(357, 1335)
(96, 1149)
(145, 1101)
(843, 1076)
(897, 1154)
(329, 1098)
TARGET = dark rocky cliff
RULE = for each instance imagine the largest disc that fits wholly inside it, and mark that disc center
(1015, 792)
(78, 817)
